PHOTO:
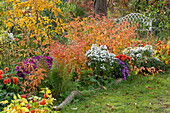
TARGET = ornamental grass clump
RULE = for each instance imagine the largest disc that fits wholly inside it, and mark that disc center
(71, 54)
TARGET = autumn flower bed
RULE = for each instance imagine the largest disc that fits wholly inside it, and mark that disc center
(38, 54)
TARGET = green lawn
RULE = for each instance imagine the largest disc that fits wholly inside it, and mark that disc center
(138, 94)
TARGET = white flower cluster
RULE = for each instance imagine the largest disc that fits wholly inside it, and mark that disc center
(7, 37)
(139, 51)
(99, 55)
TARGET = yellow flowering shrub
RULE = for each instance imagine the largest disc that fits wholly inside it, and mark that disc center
(29, 17)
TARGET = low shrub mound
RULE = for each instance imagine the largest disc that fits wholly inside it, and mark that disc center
(149, 65)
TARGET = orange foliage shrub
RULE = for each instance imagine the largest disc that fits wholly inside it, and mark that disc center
(91, 31)
(31, 83)
(102, 32)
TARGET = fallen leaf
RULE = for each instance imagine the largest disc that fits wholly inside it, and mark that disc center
(125, 94)
(74, 108)
(166, 106)
(113, 108)
(128, 103)
(134, 96)
(149, 88)
(104, 88)
(110, 106)
(86, 106)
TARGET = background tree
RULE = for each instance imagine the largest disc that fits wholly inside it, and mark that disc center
(100, 7)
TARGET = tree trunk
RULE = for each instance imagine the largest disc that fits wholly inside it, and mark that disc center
(100, 7)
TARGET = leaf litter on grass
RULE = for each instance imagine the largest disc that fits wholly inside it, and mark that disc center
(129, 97)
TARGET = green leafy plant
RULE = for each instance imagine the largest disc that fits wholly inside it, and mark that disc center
(149, 65)
(72, 10)
(157, 10)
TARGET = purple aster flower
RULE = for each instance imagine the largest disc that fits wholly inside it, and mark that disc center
(23, 70)
(17, 68)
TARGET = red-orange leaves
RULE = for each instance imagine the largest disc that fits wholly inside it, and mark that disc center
(73, 53)
(101, 32)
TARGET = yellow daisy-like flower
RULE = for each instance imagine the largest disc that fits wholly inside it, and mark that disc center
(4, 102)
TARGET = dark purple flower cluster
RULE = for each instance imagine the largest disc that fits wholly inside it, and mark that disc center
(124, 69)
(28, 66)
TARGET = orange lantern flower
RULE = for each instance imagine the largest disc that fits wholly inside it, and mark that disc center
(5, 81)
(9, 80)
(1, 72)
(1, 76)
(6, 69)
(15, 80)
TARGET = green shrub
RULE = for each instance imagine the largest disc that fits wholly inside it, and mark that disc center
(149, 62)
(156, 9)
(71, 10)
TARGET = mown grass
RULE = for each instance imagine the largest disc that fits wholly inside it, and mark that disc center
(138, 94)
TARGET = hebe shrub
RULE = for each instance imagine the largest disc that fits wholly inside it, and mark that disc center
(98, 56)
(137, 52)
